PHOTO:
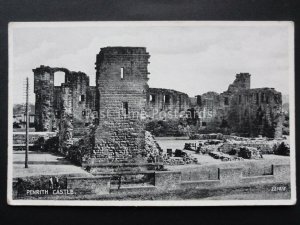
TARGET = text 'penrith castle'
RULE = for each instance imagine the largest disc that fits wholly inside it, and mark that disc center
(109, 120)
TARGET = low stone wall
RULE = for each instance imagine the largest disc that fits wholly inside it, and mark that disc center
(167, 180)
(200, 173)
(98, 167)
(232, 177)
(170, 180)
(202, 183)
(19, 137)
(89, 185)
(211, 172)
(134, 189)
(282, 172)
(257, 179)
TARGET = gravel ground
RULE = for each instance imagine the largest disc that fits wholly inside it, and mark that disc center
(41, 163)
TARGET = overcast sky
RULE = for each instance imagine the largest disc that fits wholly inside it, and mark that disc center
(191, 59)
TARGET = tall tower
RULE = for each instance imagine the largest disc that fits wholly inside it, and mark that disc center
(242, 82)
(44, 92)
(121, 83)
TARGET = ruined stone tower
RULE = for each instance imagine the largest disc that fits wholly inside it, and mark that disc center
(44, 92)
(121, 85)
(241, 82)
(106, 122)
(62, 108)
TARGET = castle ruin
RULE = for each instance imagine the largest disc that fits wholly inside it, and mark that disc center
(118, 106)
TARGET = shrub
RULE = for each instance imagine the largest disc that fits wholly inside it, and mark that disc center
(52, 144)
(162, 128)
(282, 149)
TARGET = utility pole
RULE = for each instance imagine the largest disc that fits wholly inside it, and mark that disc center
(27, 124)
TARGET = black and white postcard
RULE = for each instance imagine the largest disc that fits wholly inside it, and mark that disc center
(151, 113)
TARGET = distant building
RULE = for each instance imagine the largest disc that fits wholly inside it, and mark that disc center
(19, 120)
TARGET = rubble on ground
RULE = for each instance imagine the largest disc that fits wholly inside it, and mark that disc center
(151, 145)
(265, 145)
(249, 153)
(224, 157)
(179, 157)
(218, 136)
(231, 147)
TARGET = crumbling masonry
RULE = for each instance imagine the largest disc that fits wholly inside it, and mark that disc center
(115, 106)
(245, 111)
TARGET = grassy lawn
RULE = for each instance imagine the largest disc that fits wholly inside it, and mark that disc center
(252, 192)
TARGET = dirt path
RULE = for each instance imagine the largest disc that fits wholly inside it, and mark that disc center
(40, 163)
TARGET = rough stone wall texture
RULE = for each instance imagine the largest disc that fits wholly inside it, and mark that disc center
(65, 119)
(211, 110)
(256, 112)
(120, 134)
(44, 90)
(151, 146)
(64, 108)
(214, 108)
(242, 81)
(242, 110)
(91, 98)
(161, 102)
(78, 83)
(122, 97)
(87, 185)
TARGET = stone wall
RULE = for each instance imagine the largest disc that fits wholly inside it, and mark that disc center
(166, 103)
(173, 180)
(121, 81)
(241, 82)
(229, 177)
(209, 110)
(65, 108)
(44, 95)
(245, 111)
(256, 112)
(19, 137)
(121, 103)
(74, 94)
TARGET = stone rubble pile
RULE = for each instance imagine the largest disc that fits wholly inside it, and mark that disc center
(179, 157)
(263, 144)
(238, 148)
(151, 146)
(249, 153)
(206, 149)
(224, 157)
(218, 136)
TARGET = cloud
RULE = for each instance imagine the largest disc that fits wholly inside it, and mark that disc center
(189, 59)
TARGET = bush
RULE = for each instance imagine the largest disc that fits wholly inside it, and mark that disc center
(282, 149)
(52, 144)
(37, 183)
(161, 128)
(286, 125)
(233, 151)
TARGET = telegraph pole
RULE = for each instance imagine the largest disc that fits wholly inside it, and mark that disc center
(27, 124)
